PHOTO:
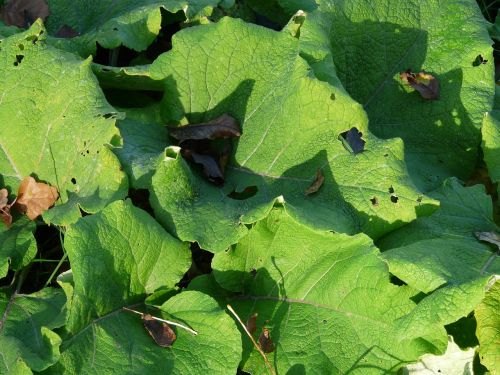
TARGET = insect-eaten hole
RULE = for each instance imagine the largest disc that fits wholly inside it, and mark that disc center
(479, 61)
(109, 115)
(374, 201)
(394, 198)
(419, 199)
(352, 140)
(325, 321)
(248, 192)
(21, 47)
(391, 189)
(19, 58)
(73, 180)
(332, 96)
(396, 281)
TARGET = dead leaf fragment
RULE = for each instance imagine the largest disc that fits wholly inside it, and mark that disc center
(265, 341)
(33, 198)
(161, 332)
(5, 207)
(426, 84)
(223, 126)
(316, 184)
(211, 168)
(66, 32)
(252, 323)
(22, 13)
(491, 237)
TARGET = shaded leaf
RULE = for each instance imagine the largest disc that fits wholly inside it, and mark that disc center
(490, 237)
(316, 184)
(33, 198)
(17, 245)
(211, 168)
(426, 84)
(66, 32)
(352, 140)
(161, 332)
(223, 126)
(23, 13)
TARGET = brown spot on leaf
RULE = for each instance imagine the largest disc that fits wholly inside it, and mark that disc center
(33, 198)
(265, 341)
(252, 324)
(316, 184)
(22, 13)
(426, 84)
(223, 126)
(374, 201)
(66, 32)
(161, 332)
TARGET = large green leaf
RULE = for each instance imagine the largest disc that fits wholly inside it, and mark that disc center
(17, 245)
(291, 123)
(491, 139)
(57, 126)
(117, 343)
(371, 43)
(329, 303)
(118, 256)
(443, 248)
(132, 23)
(26, 339)
(488, 329)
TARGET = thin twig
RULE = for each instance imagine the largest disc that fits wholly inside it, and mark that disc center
(164, 321)
(257, 346)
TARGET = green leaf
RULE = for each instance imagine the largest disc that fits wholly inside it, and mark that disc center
(328, 302)
(443, 248)
(491, 139)
(117, 257)
(126, 78)
(371, 44)
(134, 24)
(488, 329)
(454, 361)
(26, 339)
(143, 145)
(118, 342)
(291, 123)
(17, 245)
(54, 97)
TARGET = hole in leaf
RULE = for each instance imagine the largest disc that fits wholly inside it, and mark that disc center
(419, 199)
(115, 29)
(374, 201)
(19, 58)
(248, 192)
(479, 61)
(109, 115)
(386, 155)
(391, 190)
(21, 47)
(352, 141)
(394, 198)
(324, 321)
(396, 281)
(73, 181)
(332, 96)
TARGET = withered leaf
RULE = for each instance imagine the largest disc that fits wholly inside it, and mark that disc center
(161, 332)
(33, 198)
(5, 207)
(223, 126)
(211, 168)
(352, 140)
(22, 13)
(252, 324)
(426, 84)
(316, 184)
(490, 237)
(265, 341)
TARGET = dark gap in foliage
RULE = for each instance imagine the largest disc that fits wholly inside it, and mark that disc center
(246, 193)
(464, 331)
(396, 281)
(140, 198)
(130, 98)
(119, 56)
(479, 60)
(477, 367)
(374, 201)
(7, 280)
(201, 265)
(19, 58)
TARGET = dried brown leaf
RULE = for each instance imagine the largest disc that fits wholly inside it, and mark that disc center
(265, 341)
(66, 32)
(5, 207)
(224, 126)
(318, 181)
(426, 84)
(4, 194)
(22, 13)
(252, 323)
(161, 332)
(33, 198)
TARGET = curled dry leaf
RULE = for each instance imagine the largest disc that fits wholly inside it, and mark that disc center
(316, 184)
(33, 198)
(426, 84)
(22, 13)
(265, 341)
(5, 207)
(352, 140)
(223, 126)
(161, 332)
(491, 237)
(252, 323)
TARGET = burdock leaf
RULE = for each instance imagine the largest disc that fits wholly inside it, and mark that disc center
(426, 84)
(161, 332)
(35, 197)
(491, 237)
(223, 126)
